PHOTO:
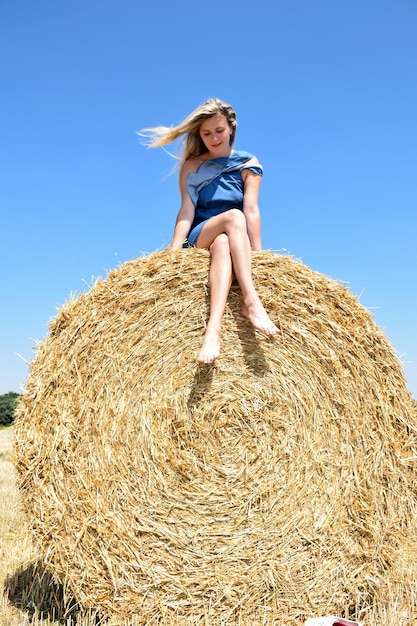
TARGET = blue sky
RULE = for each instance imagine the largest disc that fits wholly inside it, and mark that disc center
(326, 97)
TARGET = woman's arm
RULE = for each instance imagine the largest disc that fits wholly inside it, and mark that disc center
(186, 213)
(252, 183)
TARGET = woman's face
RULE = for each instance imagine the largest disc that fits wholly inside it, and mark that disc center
(215, 133)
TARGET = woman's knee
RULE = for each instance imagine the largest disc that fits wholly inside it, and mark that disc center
(235, 218)
(220, 245)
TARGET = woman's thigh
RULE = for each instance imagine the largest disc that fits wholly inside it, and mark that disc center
(218, 224)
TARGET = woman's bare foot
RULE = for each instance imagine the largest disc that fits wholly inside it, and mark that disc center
(210, 350)
(259, 318)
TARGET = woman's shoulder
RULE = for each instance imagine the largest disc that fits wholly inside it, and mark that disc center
(190, 170)
(192, 164)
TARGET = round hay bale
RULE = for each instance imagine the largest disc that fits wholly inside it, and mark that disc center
(276, 485)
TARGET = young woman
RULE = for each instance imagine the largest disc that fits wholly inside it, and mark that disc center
(219, 211)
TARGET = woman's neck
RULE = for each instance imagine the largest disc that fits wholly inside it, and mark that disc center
(208, 156)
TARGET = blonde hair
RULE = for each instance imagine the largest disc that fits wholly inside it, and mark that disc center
(192, 144)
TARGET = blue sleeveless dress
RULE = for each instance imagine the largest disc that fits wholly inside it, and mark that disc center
(216, 187)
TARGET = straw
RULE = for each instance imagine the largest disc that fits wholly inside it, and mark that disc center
(275, 485)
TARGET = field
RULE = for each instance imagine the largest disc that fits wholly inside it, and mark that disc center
(29, 597)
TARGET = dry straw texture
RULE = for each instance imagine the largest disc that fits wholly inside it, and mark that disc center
(273, 487)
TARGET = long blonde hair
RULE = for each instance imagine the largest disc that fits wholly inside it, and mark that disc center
(192, 144)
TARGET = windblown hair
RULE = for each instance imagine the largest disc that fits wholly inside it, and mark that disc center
(192, 144)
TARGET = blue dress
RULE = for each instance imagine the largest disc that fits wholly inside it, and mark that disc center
(216, 187)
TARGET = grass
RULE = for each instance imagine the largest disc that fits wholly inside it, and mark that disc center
(29, 597)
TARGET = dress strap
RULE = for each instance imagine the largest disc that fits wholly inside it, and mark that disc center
(209, 171)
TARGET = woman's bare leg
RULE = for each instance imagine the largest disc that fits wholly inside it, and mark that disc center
(233, 224)
(220, 279)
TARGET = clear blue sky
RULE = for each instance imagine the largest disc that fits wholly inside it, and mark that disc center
(326, 96)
